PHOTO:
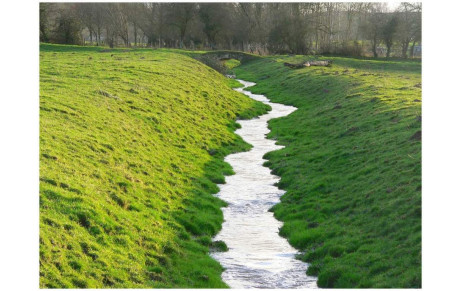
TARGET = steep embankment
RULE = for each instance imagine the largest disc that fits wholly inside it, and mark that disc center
(351, 166)
(131, 146)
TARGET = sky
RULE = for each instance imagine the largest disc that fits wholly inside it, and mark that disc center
(393, 5)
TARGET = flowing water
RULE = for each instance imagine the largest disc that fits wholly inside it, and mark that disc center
(257, 257)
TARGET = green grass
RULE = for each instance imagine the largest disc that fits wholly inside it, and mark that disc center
(232, 63)
(131, 148)
(351, 166)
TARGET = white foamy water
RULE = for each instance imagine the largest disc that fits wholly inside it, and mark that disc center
(258, 257)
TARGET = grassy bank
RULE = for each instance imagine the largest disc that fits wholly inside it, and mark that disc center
(131, 148)
(351, 166)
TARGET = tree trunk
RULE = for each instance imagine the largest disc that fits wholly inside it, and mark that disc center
(374, 48)
(388, 50)
(135, 35)
(325, 63)
(98, 36)
(182, 36)
(316, 39)
(405, 46)
(412, 49)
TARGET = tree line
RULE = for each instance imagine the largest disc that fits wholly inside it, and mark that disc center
(263, 28)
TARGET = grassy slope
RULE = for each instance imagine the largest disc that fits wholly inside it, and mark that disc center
(131, 146)
(351, 168)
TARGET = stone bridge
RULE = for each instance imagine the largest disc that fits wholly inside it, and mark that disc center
(214, 59)
(226, 55)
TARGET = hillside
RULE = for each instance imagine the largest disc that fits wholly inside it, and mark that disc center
(131, 146)
(351, 166)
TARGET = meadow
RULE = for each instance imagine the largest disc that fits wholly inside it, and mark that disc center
(131, 149)
(351, 166)
(132, 143)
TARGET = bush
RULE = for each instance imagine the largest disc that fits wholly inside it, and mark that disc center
(350, 49)
(67, 29)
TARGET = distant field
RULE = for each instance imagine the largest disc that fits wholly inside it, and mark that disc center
(131, 148)
(351, 166)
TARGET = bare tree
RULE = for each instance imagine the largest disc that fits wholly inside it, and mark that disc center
(68, 26)
(373, 24)
(116, 24)
(213, 17)
(301, 28)
(181, 16)
(132, 12)
(46, 9)
(409, 18)
(92, 16)
(389, 31)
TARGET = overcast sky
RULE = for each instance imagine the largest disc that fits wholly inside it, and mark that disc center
(393, 5)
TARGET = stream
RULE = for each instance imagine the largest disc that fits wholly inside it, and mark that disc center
(257, 257)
